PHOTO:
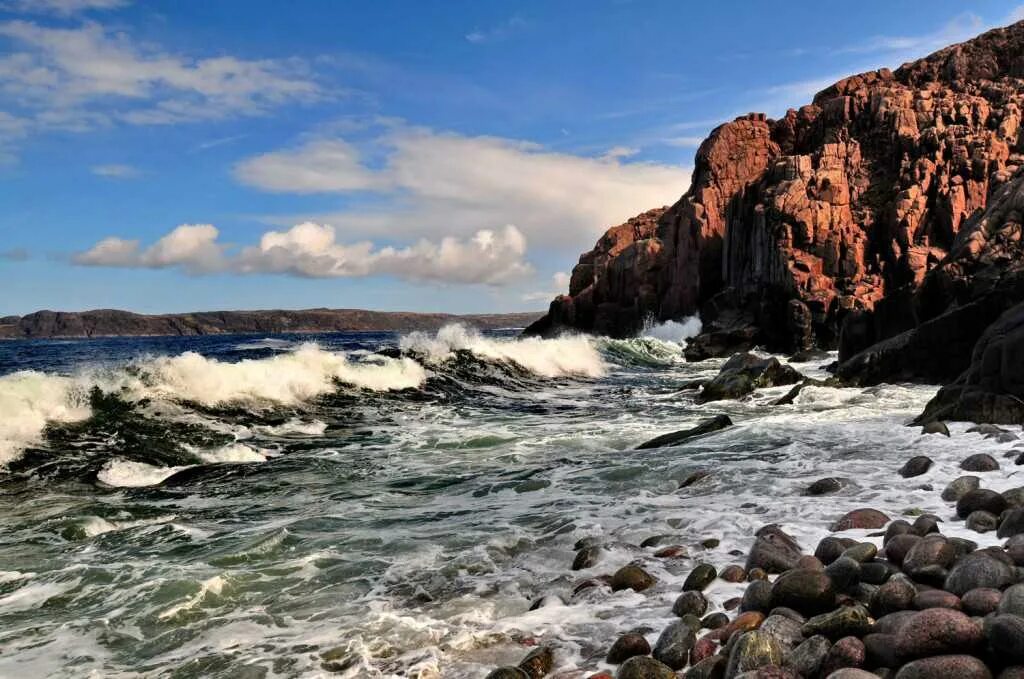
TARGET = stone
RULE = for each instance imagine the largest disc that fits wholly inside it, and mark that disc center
(733, 573)
(1012, 601)
(938, 631)
(831, 548)
(632, 577)
(935, 427)
(709, 668)
(627, 646)
(842, 622)
(844, 572)
(808, 658)
(1005, 634)
(899, 546)
(936, 598)
(930, 551)
(978, 569)
(892, 622)
(773, 551)
(690, 603)
(960, 487)
(925, 524)
(825, 486)
(700, 577)
(979, 462)
(538, 662)
(753, 650)
(848, 652)
(981, 521)
(981, 601)
(674, 644)
(586, 558)
(861, 518)
(983, 499)
(708, 426)
(1012, 523)
(743, 373)
(714, 620)
(643, 667)
(744, 622)
(505, 673)
(806, 591)
(880, 650)
(959, 666)
(783, 628)
(895, 595)
(895, 528)
(916, 466)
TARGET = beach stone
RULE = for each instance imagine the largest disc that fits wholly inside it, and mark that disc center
(586, 557)
(899, 546)
(632, 577)
(981, 521)
(807, 658)
(588, 541)
(938, 631)
(861, 518)
(979, 569)
(962, 545)
(831, 548)
(708, 668)
(806, 591)
(936, 598)
(844, 572)
(783, 628)
(712, 424)
(935, 427)
(895, 595)
(744, 622)
(847, 652)
(933, 576)
(751, 651)
(1012, 523)
(1015, 548)
(892, 622)
(733, 573)
(880, 650)
(700, 577)
(1014, 497)
(789, 613)
(824, 486)
(979, 462)
(672, 552)
(507, 673)
(842, 622)
(925, 525)
(959, 487)
(861, 552)
(705, 647)
(1012, 601)
(1015, 672)
(690, 603)
(656, 540)
(732, 604)
(714, 620)
(896, 527)
(1005, 633)
(643, 667)
(627, 646)
(981, 601)
(811, 563)
(538, 662)
(757, 597)
(940, 667)
(852, 673)
(674, 644)
(773, 551)
(916, 466)
(877, 572)
(983, 499)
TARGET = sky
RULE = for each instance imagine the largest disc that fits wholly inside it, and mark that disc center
(178, 155)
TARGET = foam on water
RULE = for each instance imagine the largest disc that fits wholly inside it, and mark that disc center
(119, 473)
(674, 331)
(30, 400)
(564, 356)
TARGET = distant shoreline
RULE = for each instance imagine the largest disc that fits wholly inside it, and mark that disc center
(113, 323)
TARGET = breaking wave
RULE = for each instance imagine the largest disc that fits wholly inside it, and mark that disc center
(657, 346)
(30, 400)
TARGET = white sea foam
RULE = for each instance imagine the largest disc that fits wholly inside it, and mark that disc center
(564, 356)
(233, 452)
(29, 400)
(119, 473)
(674, 331)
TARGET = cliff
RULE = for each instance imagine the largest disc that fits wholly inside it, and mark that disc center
(114, 323)
(836, 214)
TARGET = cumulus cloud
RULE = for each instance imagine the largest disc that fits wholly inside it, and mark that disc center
(311, 250)
(441, 183)
(115, 171)
(559, 285)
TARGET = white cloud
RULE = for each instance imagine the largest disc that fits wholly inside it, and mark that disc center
(447, 184)
(559, 285)
(115, 171)
(688, 141)
(503, 30)
(311, 250)
(961, 27)
(61, 7)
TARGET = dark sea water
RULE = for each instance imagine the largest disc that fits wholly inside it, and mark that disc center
(369, 505)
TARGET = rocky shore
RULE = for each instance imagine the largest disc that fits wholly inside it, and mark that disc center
(879, 596)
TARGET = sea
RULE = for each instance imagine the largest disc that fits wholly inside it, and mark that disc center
(402, 505)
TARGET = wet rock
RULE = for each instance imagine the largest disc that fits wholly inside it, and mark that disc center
(824, 486)
(1005, 634)
(808, 658)
(1015, 672)
(981, 521)
(936, 598)
(895, 595)
(756, 574)
(714, 620)
(710, 543)
(925, 525)
(938, 631)
(861, 518)
(785, 629)
(960, 487)
(709, 668)
(896, 527)
(916, 466)
(773, 551)
(757, 597)
(751, 651)
(959, 666)
(538, 662)
(880, 650)
(979, 462)
(642, 667)
(1012, 523)
(1014, 497)
(877, 572)
(847, 652)
(979, 569)
(893, 622)
(744, 622)
(853, 673)
(713, 424)
(769, 672)
(933, 576)
(586, 558)
(983, 499)
(508, 673)
(657, 540)
(935, 427)
(962, 545)
(700, 577)
(981, 601)
(899, 546)
(733, 573)
(672, 552)
(690, 603)
(844, 572)
(674, 644)
(1015, 547)
(1012, 602)
(985, 429)
(588, 541)
(705, 647)
(806, 591)
(861, 552)
(632, 577)
(743, 373)
(842, 622)
(627, 646)
(930, 551)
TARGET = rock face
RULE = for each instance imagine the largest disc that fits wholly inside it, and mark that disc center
(846, 222)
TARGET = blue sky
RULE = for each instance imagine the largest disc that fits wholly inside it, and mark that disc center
(458, 156)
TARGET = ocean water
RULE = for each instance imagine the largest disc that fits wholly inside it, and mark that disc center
(374, 505)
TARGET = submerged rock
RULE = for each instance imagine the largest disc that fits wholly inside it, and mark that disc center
(861, 518)
(674, 644)
(538, 662)
(960, 487)
(825, 486)
(700, 577)
(979, 462)
(632, 577)
(916, 466)
(716, 423)
(743, 373)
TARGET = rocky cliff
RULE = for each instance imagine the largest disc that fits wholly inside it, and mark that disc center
(836, 214)
(113, 323)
